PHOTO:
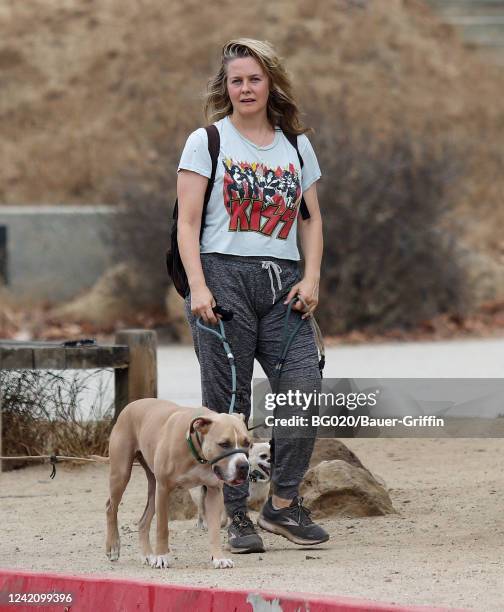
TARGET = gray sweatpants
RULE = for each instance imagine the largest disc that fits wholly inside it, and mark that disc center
(255, 290)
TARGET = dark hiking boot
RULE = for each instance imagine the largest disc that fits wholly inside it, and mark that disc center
(242, 536)
(293, 523)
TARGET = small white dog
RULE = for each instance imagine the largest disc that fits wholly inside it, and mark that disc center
(259, 481)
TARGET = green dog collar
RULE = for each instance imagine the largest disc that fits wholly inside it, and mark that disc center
(193, 450)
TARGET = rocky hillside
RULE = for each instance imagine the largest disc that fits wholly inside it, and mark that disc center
(96, 89)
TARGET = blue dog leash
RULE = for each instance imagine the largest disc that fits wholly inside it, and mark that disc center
(227, 315)
(287, 340)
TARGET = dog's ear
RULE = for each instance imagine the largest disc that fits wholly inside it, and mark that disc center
(202, 424)
(239, 415)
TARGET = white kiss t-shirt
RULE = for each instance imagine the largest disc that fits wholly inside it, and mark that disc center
(256, 194)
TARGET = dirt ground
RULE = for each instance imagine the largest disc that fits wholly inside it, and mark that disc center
(444, 547)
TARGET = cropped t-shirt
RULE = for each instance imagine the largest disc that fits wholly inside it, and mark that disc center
(257, 191)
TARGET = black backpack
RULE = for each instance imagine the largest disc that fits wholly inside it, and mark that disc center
(173, 260)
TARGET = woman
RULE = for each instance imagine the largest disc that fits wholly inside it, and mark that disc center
(247, 262)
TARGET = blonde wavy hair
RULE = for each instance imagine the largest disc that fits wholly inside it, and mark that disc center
(282, 110)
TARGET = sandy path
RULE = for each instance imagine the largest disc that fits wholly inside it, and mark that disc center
(445, 547)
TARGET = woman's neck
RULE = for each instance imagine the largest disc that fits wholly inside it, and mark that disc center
(252, 125)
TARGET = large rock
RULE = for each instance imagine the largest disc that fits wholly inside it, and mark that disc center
(181, 506)
(114, 296)
(327, 449)
(337, 488)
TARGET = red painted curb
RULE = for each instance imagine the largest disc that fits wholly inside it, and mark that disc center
(100, 594)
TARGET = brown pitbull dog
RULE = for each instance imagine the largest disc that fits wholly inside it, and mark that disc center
(176, 446)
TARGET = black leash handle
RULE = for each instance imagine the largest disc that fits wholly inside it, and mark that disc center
(226, 315)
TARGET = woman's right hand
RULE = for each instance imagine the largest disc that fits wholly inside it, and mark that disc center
(202, 302)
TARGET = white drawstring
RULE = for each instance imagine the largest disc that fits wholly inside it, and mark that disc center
(268, 265)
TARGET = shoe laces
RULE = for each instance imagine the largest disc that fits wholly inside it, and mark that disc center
(243, 523)
(300, 512)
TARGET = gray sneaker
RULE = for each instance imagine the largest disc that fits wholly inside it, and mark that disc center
(293, 523)
(242, 536)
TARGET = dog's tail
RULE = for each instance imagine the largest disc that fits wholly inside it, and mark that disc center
(99, 458)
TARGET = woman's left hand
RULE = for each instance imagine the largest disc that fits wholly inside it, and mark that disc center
(308, 290)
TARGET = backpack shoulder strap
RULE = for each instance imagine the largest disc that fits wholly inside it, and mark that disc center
(292, 138)
(213, 149)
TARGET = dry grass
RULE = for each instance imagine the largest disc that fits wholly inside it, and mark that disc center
(42, 414)
(94, 89)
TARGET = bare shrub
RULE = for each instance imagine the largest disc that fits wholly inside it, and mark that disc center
(42, 414)
(139, 233)
(390, 256)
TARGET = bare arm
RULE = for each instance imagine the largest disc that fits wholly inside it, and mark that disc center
(191, 188)
(312, 245)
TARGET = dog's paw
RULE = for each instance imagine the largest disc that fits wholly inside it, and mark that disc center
(146, 559)
(201, 525)
(222, 563)
(113, 553)
(159, 561)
